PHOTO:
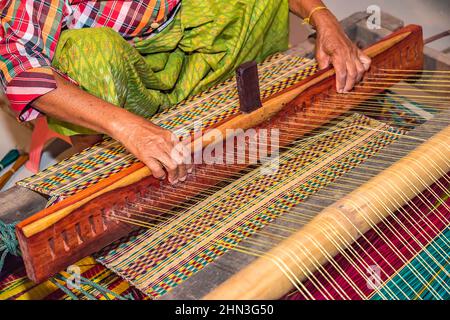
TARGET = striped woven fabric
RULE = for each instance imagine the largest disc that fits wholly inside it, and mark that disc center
(426, 277)
(99, 283)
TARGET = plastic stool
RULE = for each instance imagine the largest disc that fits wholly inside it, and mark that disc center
(39, 138)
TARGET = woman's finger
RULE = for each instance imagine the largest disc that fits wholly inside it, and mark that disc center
(185, 153)
(170, 165)
(177, 155)
(155, 167)
(182, 172)
(341, 73)
(360, 70)
(364, 59)
(323, 59)
(352, 75)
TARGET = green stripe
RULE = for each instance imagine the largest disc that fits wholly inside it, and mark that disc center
(433, 266)
(156, 10)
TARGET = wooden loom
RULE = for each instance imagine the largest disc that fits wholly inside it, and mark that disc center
(78, 226)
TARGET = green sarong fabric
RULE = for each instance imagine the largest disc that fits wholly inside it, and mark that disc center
(205, 43)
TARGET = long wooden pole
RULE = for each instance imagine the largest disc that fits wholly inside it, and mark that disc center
(277, 272)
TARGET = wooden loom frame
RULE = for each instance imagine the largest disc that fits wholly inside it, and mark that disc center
(62, 234)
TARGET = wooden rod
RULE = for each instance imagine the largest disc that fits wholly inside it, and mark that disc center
(48, 220)
(348, 218)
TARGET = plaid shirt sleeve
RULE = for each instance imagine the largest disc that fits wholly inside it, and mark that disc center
(29, 32)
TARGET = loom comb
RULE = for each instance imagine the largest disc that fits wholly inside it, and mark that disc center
(80, 225)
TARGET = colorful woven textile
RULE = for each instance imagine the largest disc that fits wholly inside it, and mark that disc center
(207, 108)
(16, 286)
(299, 175)
(155, 261)
(404, 257)
(426, 277)
(400, 280)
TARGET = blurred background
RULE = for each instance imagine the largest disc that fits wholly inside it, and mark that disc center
(432, 15)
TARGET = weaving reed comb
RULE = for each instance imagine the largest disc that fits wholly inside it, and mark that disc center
(79, 225)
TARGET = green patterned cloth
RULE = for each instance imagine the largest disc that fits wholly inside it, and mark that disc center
(205, 43)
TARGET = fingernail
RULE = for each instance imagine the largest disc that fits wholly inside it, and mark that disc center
(175, 181)
(182, 179)
(189, 170)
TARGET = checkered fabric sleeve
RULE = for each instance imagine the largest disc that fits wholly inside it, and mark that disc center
(29, 31)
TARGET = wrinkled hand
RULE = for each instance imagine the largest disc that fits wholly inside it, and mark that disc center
(334, 47)
(157, 148)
